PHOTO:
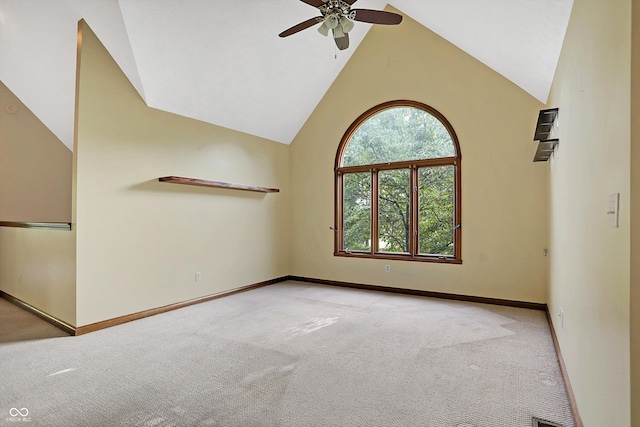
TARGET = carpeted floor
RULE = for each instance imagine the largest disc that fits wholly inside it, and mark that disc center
(19, 325)
(291, 354)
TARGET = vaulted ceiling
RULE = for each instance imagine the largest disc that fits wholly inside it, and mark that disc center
(221, 61)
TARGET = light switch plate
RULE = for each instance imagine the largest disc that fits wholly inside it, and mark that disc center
(612, 213)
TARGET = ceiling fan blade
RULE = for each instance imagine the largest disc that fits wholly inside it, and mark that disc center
(314, 3)
(350, 2)
(377, 16)
(342, 42)
(301, 26)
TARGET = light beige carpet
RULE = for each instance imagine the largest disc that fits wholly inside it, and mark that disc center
(17, 324)
(295, 354)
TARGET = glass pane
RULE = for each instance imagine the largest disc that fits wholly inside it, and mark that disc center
(357, 211)
(435, 210)
(396, 134)
(394, 205)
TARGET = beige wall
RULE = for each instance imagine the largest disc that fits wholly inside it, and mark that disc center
(503, 191)
(590, 261)
(38, 267)
(35, 167)
(635, 217)
(140, 242)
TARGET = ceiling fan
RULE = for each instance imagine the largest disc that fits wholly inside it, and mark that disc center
(337, 16)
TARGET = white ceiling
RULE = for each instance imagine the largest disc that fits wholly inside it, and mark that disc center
(221, 61)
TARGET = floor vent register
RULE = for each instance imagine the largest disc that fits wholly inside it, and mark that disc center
(542, 423)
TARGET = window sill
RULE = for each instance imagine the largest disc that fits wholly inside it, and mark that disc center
(398, 257)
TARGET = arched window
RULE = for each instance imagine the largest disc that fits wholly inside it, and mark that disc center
(397, 178)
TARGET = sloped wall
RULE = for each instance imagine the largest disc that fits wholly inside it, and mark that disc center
(139, 241)
(35, 167)
(503, 192)
(590, 261)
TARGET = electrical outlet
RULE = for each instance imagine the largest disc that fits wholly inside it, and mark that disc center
(387, 268)
(198, 277)
(561, 318)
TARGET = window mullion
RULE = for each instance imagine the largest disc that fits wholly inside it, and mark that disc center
(457, 234)
(339, 215)
(414, 211)
(374, 211)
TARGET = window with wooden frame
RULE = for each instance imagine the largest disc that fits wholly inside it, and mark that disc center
(397, 186)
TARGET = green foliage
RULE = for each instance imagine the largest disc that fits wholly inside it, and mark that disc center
(357, 211)
(394, 208)
(435, 210)
(397, 134)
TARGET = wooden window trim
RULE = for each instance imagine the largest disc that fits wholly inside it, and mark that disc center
(414, 166)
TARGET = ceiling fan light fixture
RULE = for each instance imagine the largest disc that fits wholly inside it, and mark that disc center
(323, 29)
(332, 21)
(338, 33)
(346, 24)
(337, 16)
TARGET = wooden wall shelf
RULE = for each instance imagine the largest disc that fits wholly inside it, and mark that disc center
(216, 184)
(39, 225)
